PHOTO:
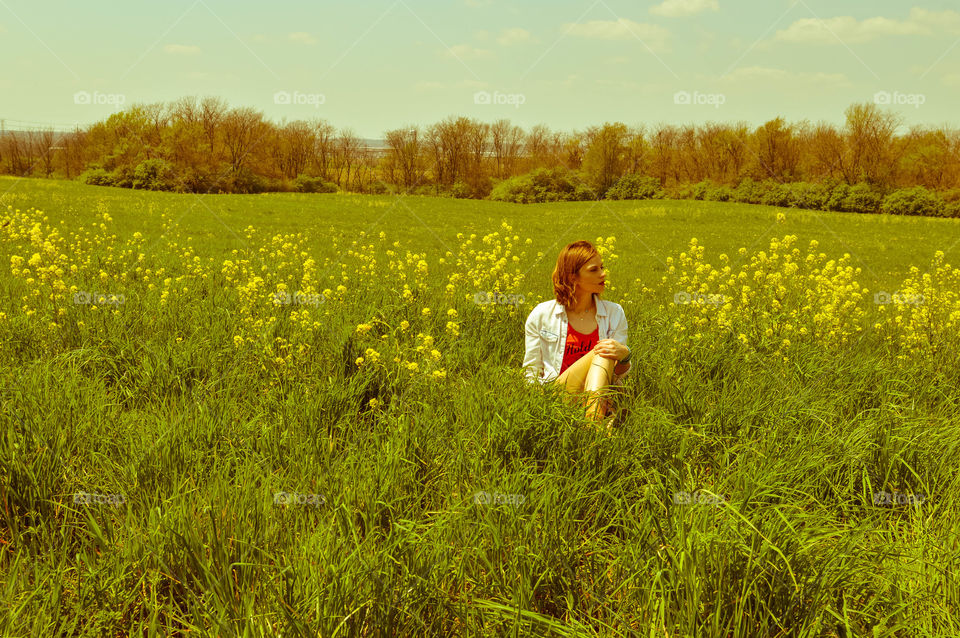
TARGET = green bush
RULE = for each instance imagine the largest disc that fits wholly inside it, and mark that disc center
(700, 189)
(154, 175)
(542, 185)
(862, 198)
(776, 194)
(720, 194)
(747, 191)
(308, 184)
(123, 176)
(460, 190)
(811, 196)
(914, 201)
(635, 186)
(96, 176)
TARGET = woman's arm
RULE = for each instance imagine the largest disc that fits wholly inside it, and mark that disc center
(532, 361)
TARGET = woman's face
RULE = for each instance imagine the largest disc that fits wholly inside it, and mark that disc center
(592, 277)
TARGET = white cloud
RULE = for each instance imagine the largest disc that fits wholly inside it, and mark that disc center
(767, 74)
(683, 8)
(467, 52)
(513, 36)
(623, 29)
(181, 49)
(302, 37)
(849, 30)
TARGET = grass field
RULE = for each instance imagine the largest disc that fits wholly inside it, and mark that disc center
(288, 415)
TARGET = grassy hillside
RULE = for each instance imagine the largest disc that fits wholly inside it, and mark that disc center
(287, 414)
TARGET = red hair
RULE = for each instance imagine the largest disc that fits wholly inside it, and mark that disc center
(569, 262)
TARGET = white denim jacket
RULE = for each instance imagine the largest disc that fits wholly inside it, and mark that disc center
(546, 336)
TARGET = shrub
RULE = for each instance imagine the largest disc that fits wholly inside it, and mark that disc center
(635, 186)
(914, 201)
(583, 193)
(308, 184)
(123, 176)
(839, 192)
(460, 190)
(747, 191)
(952, 209)
(700, 189)
(542, 185)
(811, 196)
(862, 198)
(154, 174)
(720, 194)
(776, 194)
(96, 176)
(377, 187)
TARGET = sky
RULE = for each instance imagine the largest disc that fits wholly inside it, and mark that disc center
(375, 65)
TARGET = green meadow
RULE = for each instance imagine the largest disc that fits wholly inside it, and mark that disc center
(194, 458)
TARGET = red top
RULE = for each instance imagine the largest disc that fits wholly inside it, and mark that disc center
(578, 344)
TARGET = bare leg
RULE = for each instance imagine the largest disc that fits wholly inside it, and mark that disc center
(589, 375)
(598, 379)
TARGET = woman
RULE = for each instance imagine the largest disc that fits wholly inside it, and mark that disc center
(578, 341)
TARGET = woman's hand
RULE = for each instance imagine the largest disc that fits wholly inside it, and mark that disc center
(610, 349)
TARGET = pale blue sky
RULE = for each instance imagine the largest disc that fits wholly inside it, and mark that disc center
(380, 64)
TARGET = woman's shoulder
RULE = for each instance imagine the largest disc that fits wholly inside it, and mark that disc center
(613, 307)
(543, 308)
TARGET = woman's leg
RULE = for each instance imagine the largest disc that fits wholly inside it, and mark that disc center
(589, 374)
(598, 379)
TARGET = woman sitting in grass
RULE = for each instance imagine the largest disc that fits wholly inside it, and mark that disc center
(578, 341)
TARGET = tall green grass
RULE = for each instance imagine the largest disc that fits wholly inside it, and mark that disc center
(735, 497)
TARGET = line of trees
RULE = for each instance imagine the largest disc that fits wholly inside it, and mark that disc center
(203, 145)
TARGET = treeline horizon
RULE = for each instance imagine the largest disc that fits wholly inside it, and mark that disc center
(202, 145)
